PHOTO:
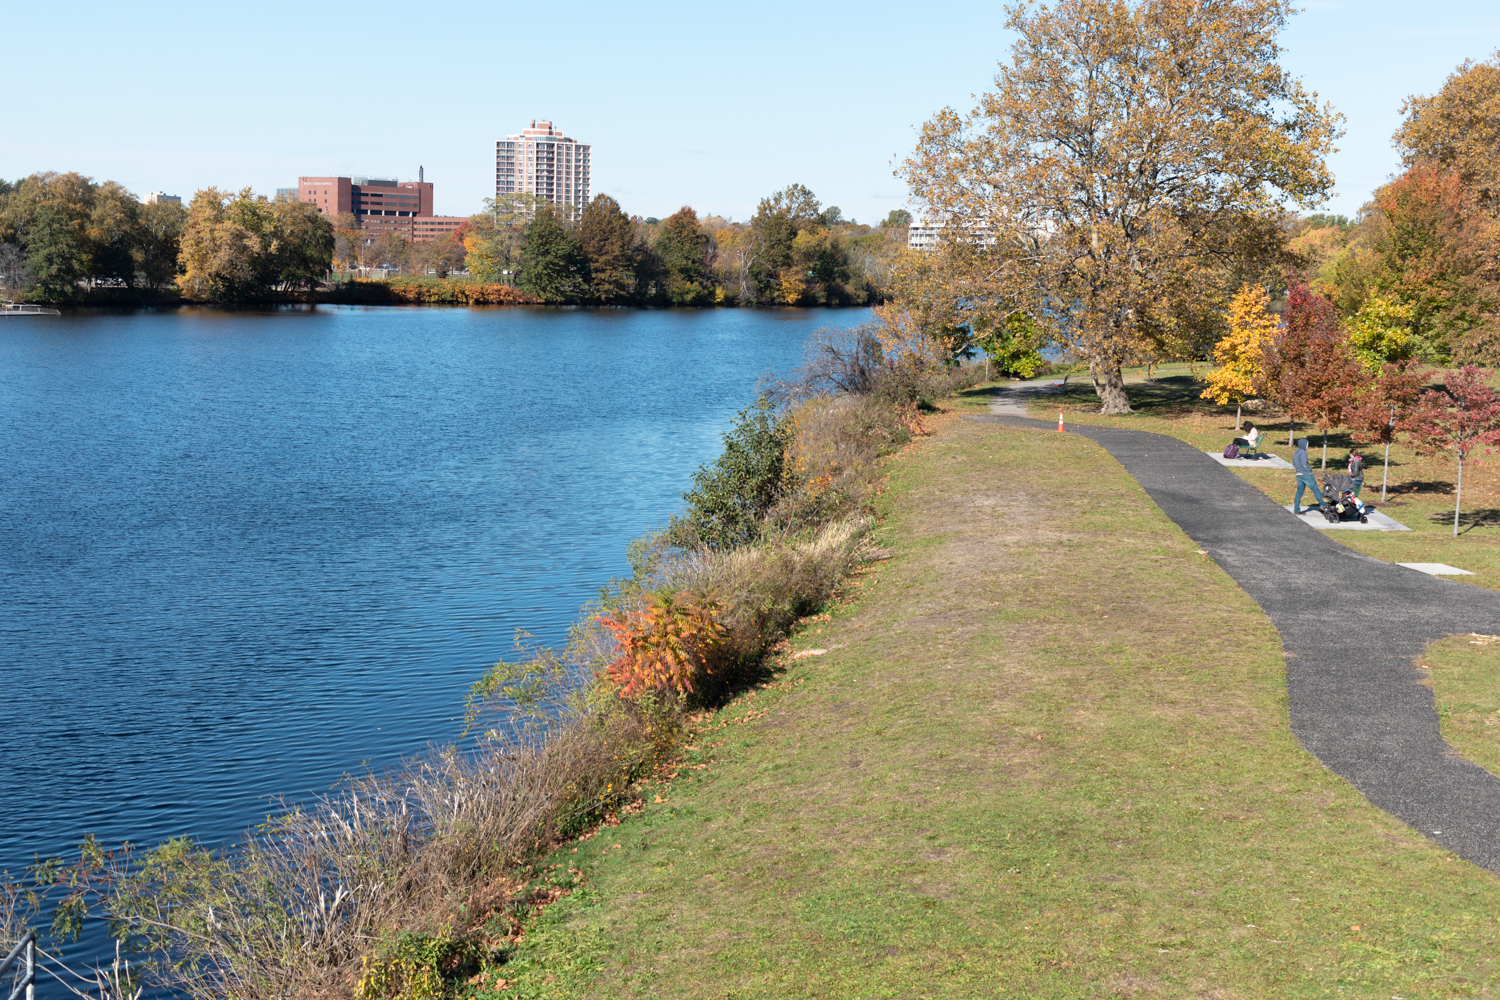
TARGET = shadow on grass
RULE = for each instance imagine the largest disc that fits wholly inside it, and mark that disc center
(1468, 520)
(1416, 488)
(1166, 396)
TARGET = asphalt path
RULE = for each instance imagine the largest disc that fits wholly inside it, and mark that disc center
(1352, 628)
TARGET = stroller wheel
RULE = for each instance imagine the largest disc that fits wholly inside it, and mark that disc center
(1331, 516)
(1364, 519)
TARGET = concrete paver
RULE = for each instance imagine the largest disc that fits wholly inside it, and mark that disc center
(1378, 521)
(1264, 462)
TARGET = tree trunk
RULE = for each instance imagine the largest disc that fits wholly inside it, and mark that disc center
(1325, 451)
(1459, 497)
(1237, 407)
(1292, 432)
(1385, 470)
(1110, 387)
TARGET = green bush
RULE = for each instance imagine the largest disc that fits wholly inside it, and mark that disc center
(417, 967)
(731, 497)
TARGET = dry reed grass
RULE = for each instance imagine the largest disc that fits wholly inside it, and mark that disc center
(300, 902)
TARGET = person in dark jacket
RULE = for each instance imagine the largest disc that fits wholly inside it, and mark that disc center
(1305, 480)
(1357, 471)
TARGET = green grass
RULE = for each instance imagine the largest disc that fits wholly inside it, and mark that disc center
(1464, 671)
(1420, 495)
(1046, 754)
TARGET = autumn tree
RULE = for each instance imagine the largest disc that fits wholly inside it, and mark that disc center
(48, 215)
(221, 246)
(945, 295)
(1458, 418)
(1457, 129)
(439, 256)
(1372, 418)
(348, 241)
(494, 237)
(1381, 333)
(159, 241)
(775, 225)
(612, 248)
(1126, 150)
(110, 233)
(236, 248)
(1308, 368)
(1252, 327)
(302, 243)
(388, 250)
(1431, 245)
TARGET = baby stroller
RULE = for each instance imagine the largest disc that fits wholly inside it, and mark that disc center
(1340, 503)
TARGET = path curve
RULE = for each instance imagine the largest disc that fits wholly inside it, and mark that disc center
(1352, 628)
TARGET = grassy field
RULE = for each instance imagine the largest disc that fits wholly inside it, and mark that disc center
(1464, 671)
(1420, 494)
(1040, 751)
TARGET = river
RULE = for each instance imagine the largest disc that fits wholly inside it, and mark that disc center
(242, 554)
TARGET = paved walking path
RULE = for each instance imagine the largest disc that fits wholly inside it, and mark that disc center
(1352, 628)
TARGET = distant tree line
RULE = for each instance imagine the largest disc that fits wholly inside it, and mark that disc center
(63, 236)
(791, 252)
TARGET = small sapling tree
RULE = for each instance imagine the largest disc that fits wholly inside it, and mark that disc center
(1457, 419)
(1309, 368)
(1252, 327)
(1372, 419)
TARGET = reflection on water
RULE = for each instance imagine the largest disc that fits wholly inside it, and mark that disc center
(242, 554)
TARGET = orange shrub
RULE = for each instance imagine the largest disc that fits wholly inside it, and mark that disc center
(664, 645)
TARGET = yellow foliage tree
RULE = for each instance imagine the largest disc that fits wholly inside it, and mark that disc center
(1239, 354)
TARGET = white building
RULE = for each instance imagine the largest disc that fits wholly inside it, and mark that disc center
(544, 162)
(156, 196)
(922, 235)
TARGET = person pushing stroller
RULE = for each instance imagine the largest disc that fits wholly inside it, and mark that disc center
(1305, 478)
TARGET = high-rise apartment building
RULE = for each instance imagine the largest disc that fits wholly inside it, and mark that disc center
(544, 162)
(380, 205)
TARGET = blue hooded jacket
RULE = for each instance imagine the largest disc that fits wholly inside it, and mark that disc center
(1299, 458)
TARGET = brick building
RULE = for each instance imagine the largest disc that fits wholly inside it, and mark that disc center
(381, 206)
(544, 162)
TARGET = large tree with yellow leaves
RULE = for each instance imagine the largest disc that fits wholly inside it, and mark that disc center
(1240, 353)
(1129, 151)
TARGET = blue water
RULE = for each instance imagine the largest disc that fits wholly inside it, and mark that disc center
(243, 554)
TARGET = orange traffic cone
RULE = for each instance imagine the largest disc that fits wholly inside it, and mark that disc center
(1060, 428)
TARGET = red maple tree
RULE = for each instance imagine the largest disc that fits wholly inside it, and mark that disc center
(1308, 368)
(1458, 418)
(1372, 418)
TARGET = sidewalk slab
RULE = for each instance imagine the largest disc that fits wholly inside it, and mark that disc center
(1269, 462)
(1378, 522)
(1437, 569)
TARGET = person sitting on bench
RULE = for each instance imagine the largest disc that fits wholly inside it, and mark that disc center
(1250, 442)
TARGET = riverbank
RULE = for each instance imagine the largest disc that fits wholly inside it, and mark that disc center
(1043, 751)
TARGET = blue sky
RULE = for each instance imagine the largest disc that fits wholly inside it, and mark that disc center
(708, 105)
